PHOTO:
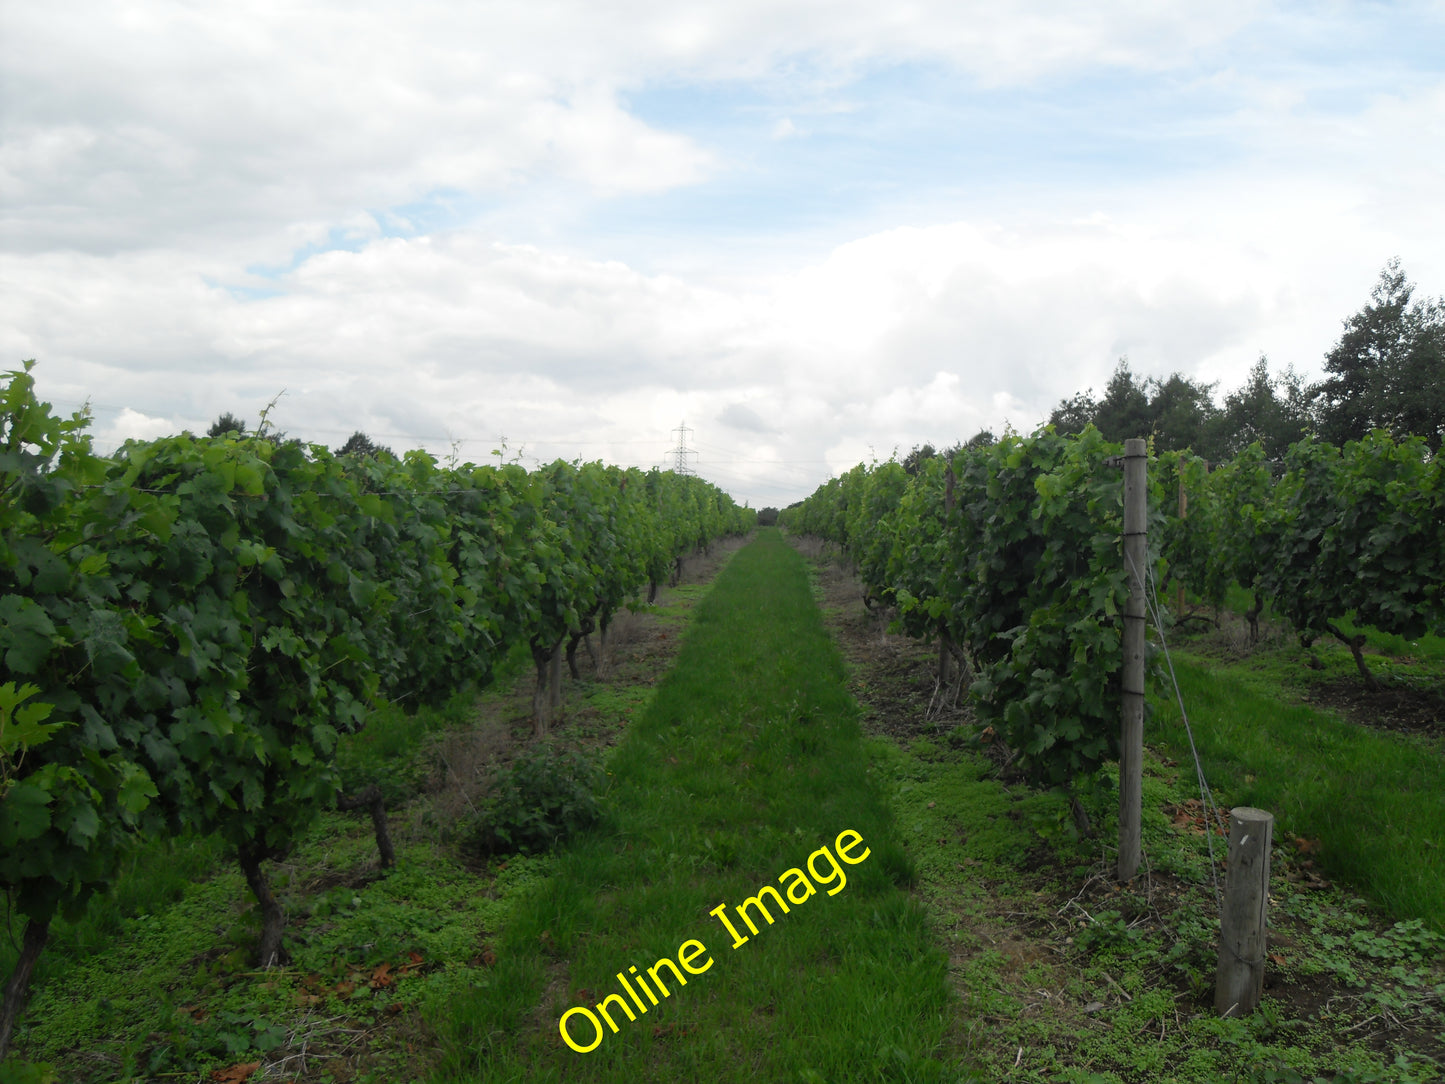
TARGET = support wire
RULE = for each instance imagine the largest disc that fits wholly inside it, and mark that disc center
(1212, 814)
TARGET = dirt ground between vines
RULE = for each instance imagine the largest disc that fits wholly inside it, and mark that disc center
(894, 680)
(893, 677)
(1390, 707)
(1406, 706)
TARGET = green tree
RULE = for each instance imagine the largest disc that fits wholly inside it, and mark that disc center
(1177, 411)
(913, 462)
(1071, 415)
(1183, 415)
(1124, 411)
(1272, 411)
(359, 444)
(984, 438)
(227, 423)
(1387, 371)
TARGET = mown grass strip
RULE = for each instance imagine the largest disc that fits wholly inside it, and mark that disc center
(1374, 800)
(748, 761)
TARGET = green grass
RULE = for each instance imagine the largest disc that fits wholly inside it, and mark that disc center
(173, 996)
(155, 877)
(748, 761)
(1427, 650)
(1064, 975)
(155, 982)
(1375, 800)
(677, 603)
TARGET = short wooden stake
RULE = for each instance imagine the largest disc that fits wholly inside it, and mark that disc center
(1239, 980)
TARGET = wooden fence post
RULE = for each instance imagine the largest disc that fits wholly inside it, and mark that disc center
(1239, 980)
(945, 653)
(1183, 514)
(1131, 745)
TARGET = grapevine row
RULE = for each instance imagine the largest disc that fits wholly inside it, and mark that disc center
(1010, 557)
(1326, 532)
(189, 627)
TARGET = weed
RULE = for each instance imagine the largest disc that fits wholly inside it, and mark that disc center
(382, 753)
(1401, 1072)
(1408, 942)
(1106, 932)
(538, 801)
(19, 1071)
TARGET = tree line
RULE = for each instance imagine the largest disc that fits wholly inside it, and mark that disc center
(1386, 371)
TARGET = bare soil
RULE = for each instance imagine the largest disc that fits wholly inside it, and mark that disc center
(1393, 706)
(893, 677)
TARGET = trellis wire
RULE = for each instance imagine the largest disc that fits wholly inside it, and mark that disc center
(1211, 810)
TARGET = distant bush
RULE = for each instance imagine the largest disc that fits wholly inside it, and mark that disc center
(536, 803)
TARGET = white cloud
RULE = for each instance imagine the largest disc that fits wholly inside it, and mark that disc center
(204, 205)
(133, 425)
(169, 121)
(177, 123)
(785, 129)
(911, 334)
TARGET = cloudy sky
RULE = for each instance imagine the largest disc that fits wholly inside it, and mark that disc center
(814, 231)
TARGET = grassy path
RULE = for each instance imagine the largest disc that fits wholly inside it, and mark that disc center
(749, 764)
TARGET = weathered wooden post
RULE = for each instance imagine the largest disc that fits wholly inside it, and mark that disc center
(945, 653)
(1239, 980)
(1131, 745)
(1183, 514)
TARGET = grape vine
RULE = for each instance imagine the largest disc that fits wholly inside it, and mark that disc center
(1011, 554)
(190, 626)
